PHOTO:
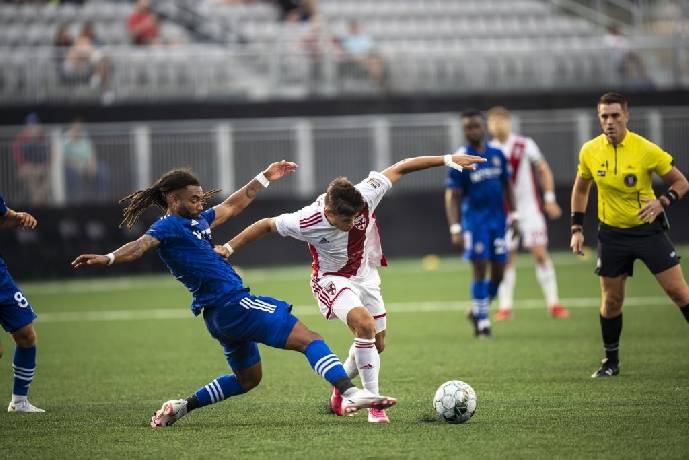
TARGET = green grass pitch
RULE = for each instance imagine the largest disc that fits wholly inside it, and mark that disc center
(112, 350)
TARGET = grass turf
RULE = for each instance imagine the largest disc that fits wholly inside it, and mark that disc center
(111, 350)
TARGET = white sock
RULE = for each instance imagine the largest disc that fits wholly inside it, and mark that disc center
(17, 399)
(368, 362)
(506, 289)
(548, 281)
(350, 363)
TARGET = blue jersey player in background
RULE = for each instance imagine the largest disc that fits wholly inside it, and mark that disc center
(233, 316)
(16, 317)
(485, 193)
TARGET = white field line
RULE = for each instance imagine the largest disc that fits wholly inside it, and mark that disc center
(309, 310)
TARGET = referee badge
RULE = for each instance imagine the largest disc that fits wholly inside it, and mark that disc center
(630, 180)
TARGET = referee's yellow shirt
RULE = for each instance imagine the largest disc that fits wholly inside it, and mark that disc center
(623, 175)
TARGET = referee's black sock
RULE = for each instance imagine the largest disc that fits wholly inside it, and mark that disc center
(685, 312)
(611, 328)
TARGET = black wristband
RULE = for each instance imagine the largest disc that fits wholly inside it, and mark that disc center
(578, 218)
(671, 196)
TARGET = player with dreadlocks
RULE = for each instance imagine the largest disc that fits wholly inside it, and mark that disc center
(233, 316)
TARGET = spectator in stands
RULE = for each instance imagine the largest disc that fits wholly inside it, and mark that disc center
(358, 48)
(62, 43)
(86, 177)
(627, 62)
(297, 10)
(142, 24)
(86, 64)
(31, 153)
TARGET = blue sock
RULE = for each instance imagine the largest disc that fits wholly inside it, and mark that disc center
(492, 289)
(24, 365)
(325, 362)
(219, 389)
(480, 300)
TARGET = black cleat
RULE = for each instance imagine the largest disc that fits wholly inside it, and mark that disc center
(485, 332)
(608, 369)
(474, 321)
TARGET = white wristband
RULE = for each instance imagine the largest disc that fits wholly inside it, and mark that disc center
(111, 258)
(549, 197)
(262, 179)
(229, 248)
(455, 229)
(447, 159)
(513, 216)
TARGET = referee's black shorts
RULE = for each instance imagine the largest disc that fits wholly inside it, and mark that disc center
(618, 248)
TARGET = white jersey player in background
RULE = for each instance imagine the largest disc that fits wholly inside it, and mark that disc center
(527, 163)
(341, 230)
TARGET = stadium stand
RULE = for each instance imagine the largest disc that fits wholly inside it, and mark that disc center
(242, 50)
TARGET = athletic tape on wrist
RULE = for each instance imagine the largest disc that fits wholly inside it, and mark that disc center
(262, 179)
(447, 159)
(111, 258)
(455, 229)
(229, 248)
(549, 197)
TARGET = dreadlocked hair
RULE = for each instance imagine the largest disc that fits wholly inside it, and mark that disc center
(139, 201)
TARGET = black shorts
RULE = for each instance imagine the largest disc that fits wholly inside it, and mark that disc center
(618, 248)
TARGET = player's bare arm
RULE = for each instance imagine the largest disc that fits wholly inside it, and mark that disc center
(678, 186)
(239, 200)
(457, 160)
(248, 235)
(13, 219)
(452, 199)
(127, 253)
(545, 176)
(580, 198)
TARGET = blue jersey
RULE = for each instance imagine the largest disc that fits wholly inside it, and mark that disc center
(186, 248)
(482, 189)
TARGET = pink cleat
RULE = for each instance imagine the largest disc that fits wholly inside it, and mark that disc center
(558, 311)
(502, 314)
(171, 411)
(377, 416)
(356, 398)
(336, 402)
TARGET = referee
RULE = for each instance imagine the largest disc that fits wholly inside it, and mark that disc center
(633, 223)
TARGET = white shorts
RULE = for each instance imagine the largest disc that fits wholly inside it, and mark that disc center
(533, 232)
(337, 296)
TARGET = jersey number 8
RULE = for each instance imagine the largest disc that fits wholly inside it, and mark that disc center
(21, 300)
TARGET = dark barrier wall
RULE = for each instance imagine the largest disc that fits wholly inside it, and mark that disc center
(64, 113)
(411, 225)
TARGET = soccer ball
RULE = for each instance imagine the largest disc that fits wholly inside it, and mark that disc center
(455, 401)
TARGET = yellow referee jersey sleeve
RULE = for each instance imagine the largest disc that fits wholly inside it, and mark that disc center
(623, 174)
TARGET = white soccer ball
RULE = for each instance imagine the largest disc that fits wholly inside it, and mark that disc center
(455, 401)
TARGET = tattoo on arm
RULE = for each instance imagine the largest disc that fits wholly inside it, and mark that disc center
(135, 249)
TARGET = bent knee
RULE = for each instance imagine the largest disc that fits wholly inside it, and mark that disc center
(249, 382)
(25, 337)
(366, 328)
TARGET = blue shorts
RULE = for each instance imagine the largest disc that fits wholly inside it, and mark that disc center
(486, 242)
(238, 326)
(15, 309)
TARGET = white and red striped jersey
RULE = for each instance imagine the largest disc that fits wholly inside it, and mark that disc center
(335, 252)
(523, 154)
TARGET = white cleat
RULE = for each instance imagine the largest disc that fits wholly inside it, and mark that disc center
(355, 399)
(377, 416)
(23, 406)
(171, 411)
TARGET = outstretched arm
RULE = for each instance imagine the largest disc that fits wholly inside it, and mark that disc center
(248, 235)
(127, 253)
(580, 198)
(457, 161)
(13, 219)
(235, 203)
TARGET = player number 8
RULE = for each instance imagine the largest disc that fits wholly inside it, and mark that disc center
(21, 300)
